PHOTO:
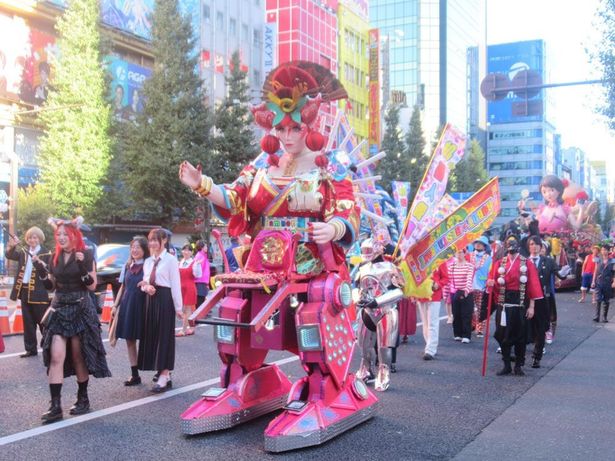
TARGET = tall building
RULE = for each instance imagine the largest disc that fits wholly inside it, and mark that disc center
(305, 29)
(228, 26)
(521, 143)
(427, 43)
(353, 37)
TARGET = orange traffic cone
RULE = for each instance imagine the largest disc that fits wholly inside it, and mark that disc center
(5, 326)
(105, 317)
(17, 320)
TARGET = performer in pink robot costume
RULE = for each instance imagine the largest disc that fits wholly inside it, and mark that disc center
(293, 291)
(380, 285)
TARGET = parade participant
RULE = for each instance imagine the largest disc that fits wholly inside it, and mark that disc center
(379, 292)
(297, 204)
(202, 282)
(161, 282)
(189, 272)
(515, 292)
(547, 269)
(28, 288)
(430, 310)
(461, 275)
(481, 260)
(587, 272)
(603, 282)
(130, 305)
(72, 343)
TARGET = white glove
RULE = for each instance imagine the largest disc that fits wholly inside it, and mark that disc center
(564, 271)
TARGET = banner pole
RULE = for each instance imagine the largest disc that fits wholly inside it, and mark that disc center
(486, 341)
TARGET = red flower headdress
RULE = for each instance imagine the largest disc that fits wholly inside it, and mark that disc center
(293, 93)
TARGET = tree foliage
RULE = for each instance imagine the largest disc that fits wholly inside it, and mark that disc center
(470, 174)
(34, 210)
(234, 142)
(394, 166)
(173, 126)
(604, 54)
(415, 142)
(75, 150)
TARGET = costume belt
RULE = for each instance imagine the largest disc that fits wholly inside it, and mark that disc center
(295, 224)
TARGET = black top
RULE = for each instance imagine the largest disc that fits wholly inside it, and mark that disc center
(68, 276)
(546, 268)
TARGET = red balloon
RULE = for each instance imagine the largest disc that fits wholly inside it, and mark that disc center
(315, 141)
(270, 144)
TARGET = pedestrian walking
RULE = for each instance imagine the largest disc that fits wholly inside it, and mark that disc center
(515, 292)
(430, 311)
(189, 272)
(161, 283)
(72, 343)
(587, 273)
(202, 282)
(131, 304)
(603, 282)
(28, 288)
(461, 275)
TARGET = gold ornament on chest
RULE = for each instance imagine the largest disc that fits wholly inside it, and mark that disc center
(304, 194)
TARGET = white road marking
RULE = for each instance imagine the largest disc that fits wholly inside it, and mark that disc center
(124, 406)
(116, 409)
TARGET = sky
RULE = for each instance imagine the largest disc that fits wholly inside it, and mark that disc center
(569, 27)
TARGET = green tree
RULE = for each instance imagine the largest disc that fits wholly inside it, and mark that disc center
(604, 54)
(173, 126)
(415, 142)
(34, 209)
(469, 174)
(74, 152)
(234, 142)
(393, 167)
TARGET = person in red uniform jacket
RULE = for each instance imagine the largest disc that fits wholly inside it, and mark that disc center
(515, 286)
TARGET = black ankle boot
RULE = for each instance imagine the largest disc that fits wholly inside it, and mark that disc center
(55, 411)
(536, 363)
(597, 316)
(606, 312)
(519, 370)
(506, 370)
(81, 406)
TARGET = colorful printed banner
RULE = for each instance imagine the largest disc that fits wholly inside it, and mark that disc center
(443, 209)
(448, 152)
(458, 230)
(401, 194)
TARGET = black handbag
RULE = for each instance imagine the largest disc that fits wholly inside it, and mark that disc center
(459, 296)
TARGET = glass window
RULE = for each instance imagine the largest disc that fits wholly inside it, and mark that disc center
(245, 32)
(232, 27)
(219, 20)
(206, 14)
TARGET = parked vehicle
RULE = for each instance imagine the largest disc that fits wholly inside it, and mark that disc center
(110, 259)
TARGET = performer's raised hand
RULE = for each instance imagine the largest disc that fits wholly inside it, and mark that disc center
(322, 232)
(189, 175)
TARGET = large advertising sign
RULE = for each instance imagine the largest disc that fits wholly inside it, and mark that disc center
(25, 61)
(270, 43)
(509, 59)
(374, 90)
(135, 16)
(126, 83)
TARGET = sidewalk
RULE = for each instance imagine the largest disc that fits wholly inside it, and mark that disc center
(568, 415)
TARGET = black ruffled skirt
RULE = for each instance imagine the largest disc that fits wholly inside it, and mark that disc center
(75, 315)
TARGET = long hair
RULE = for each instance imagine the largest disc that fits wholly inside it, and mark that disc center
(142, 241)
(160, 235)
(556, 183)
(74, 235)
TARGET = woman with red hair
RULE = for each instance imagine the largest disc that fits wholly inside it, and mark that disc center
(72, 343)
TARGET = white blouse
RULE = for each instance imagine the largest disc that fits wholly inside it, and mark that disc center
(167, 275)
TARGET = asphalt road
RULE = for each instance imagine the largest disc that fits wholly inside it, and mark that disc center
(433, 410)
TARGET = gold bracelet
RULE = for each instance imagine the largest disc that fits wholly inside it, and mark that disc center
(205, 187)
(340, 229)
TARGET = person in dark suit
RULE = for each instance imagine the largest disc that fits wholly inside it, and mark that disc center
(28, 288)
(547, 269)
